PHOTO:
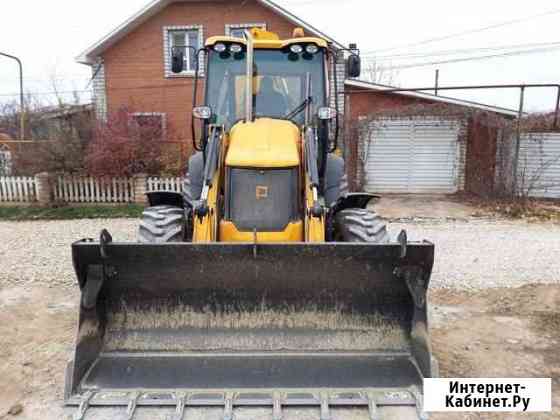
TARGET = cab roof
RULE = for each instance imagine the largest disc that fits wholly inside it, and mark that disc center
(267, 42)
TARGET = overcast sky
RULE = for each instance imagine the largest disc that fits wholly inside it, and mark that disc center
(47, 35)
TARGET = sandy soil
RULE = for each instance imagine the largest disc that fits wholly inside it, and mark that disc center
(492, 333)
(424, 206)
(499, 333)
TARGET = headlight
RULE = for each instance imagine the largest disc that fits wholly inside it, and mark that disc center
(312, 49)
(235, 48)
(202, 112)
(296, 49)
(220, 47)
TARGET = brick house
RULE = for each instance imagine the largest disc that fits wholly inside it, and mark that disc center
(131, 65)
(131, 68)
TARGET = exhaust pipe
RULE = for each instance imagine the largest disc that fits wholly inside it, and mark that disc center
(249, 77)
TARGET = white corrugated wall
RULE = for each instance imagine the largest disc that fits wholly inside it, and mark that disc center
(413, 155)
(539, 165)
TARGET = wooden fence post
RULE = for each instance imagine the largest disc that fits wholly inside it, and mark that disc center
(140, 189)
(44, 188)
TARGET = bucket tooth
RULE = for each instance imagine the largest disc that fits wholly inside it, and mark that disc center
(372, 408)
(132, 405)
(180, 407)
(325, 412)
(276, 406)
(80, 413)
(228, 407)
(422, 415)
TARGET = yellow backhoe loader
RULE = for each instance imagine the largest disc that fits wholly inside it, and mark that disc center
(266, 285)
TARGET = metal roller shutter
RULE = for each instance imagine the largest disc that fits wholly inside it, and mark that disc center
(539, 165)
(412, 156)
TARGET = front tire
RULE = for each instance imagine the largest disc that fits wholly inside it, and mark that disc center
(360, 225)
(162, 224)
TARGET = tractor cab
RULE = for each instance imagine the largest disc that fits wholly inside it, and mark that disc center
(262, 76)
(287, 78)
(266, 123)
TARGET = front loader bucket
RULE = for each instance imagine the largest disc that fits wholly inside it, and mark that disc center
(233, 325)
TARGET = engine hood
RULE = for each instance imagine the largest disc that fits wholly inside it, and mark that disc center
(264, 143)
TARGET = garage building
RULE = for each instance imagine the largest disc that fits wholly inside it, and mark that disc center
(413, 142)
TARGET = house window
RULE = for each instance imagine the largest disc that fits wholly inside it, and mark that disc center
(185, 38)
(150, 125)
(5, 160)
(238, 30)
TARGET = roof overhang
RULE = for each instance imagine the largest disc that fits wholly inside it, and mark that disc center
(430, 97)
(90, 55)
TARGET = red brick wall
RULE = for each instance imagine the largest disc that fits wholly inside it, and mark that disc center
(134, 67)
(481, 157)
(361, 102)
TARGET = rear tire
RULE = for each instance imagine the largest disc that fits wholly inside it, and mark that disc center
(192, 189)
(193, 181)
(188, 197)
(162, 224)
(360, 225)
(189, 201)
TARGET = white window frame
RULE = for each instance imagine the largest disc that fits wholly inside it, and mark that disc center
(6, 160)
(229, 27)
(167, 49)
(163, 116)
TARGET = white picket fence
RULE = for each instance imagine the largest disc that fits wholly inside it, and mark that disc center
(17, 189)
(165, 184)
(83, 189)
(94, 190)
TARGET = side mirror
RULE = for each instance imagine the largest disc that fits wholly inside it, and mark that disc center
(202, 112)
(353, 66)
(177, 61)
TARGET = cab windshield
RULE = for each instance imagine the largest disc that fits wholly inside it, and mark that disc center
(280, 85)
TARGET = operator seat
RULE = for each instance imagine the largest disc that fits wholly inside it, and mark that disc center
(270, 102)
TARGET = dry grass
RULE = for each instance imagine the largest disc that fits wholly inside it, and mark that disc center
(530, 209)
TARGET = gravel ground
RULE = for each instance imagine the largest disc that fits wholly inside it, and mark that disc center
(481, 254)
(474, 334)
(469, 255)
(39, 251)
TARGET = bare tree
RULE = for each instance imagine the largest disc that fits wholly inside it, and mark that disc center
(376, 72)
(535, 162)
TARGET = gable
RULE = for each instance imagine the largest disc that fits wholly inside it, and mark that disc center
(156, 7)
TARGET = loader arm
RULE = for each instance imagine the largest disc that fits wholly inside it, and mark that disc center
(314, 211)
(206, 214)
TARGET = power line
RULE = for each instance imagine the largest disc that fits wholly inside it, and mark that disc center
(49, 80)
(68, 92)
(405, 66)
(478, 58)
(457, 51)
(308, 2)
(471, 31)
(164, 87)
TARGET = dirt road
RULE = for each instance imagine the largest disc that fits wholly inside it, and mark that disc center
(492, 333)
(496, 330)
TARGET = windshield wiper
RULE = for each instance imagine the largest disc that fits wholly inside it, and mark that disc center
(301, 107)
(304, 106)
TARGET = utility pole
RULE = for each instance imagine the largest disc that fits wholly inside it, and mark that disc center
(21, 100)
(437, 82)
(518, 142)
(557, 111)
